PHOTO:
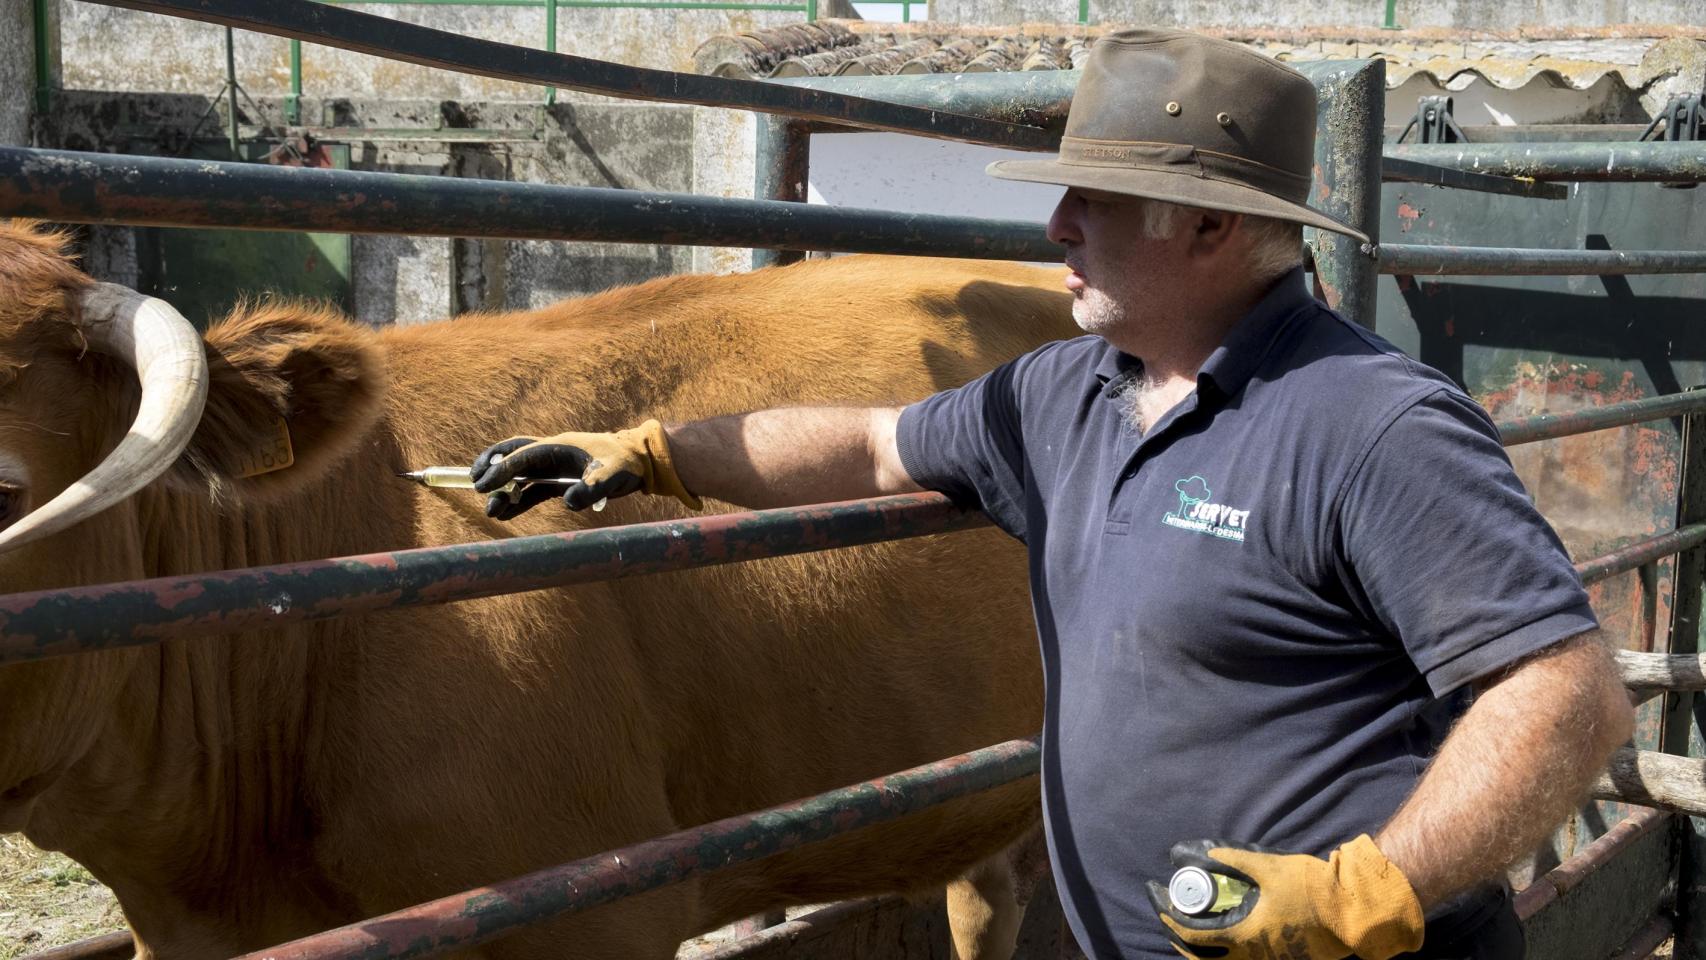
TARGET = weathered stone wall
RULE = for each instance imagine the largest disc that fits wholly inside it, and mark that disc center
(17, 71)
(1459, 14)
(177, 56)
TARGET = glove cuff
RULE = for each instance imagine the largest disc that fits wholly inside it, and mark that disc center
(661, 477)
(1379, 916)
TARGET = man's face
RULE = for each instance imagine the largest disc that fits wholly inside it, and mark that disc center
(1118, 270)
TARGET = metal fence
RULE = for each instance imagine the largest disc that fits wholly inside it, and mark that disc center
(1007, 110)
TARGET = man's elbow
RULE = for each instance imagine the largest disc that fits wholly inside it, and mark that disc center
(889, 473)
(1618, 722)
(1615, 720)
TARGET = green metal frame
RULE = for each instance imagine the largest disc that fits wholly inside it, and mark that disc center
(44, 48)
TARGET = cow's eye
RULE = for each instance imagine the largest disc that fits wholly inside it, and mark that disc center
(10, 499)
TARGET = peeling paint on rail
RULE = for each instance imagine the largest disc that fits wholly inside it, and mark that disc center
(51, 623)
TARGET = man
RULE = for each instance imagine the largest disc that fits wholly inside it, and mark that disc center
(1269, 553)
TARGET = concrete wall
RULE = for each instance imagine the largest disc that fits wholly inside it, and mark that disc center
(1461, 14)
(17, 71)
(145, 94)
(417, 279)
(724, 150)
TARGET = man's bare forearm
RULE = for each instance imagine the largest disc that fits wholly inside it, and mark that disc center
(774, 458)
(1516, 764)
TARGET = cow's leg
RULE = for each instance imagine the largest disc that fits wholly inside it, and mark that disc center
(983, 913)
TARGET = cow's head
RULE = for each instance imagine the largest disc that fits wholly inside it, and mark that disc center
(103, 393)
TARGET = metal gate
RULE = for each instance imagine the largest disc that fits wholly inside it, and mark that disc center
(1023, 111)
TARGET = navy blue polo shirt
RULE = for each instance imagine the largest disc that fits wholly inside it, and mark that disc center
(1256, 617)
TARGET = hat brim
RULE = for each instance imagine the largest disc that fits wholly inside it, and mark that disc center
(1183, 188)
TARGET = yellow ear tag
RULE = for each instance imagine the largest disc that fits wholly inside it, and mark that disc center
(270, 452)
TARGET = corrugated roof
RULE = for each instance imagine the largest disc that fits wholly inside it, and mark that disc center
(1635, 56)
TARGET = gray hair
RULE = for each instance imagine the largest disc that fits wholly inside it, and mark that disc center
(1276, 246)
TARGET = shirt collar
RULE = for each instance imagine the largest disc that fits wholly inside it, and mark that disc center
(1232, 363)
(1115, 368)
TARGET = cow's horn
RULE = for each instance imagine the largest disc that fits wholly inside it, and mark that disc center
(170, 361)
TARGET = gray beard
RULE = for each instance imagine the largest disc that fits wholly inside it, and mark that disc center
(1130, 398)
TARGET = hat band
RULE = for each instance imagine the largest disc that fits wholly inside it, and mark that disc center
(1183, 158)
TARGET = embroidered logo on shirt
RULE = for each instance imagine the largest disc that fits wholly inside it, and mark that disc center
(1198, 515)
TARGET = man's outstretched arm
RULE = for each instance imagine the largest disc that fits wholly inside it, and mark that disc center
(1516, 764)
(775, 458)
(767, 458)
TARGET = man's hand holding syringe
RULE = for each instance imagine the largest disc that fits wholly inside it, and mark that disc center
(457, 478)
(585, 469)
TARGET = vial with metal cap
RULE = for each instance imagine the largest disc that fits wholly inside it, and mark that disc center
(1195, 891)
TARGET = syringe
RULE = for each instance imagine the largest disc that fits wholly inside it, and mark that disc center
(457, 478)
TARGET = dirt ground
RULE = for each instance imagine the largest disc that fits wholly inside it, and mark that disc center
(47, 900)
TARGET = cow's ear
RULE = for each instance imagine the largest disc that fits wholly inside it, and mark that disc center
(292, 389)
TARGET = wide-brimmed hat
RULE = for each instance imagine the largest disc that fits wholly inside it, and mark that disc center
(1188, 119)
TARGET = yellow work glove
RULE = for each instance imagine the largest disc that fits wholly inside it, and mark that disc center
(1299, 907)
(608, 465)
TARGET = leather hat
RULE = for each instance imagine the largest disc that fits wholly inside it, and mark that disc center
(1192, 120)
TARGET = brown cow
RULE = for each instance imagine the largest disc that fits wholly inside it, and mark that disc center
(239, 792)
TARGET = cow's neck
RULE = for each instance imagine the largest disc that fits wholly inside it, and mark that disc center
(199, 777)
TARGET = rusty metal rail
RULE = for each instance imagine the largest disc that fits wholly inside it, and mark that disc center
(1581, 162)
(1640, 553)
(1548, 426)
(75, 187)
(1411, 258)
(1567, 875)
(65, 621)
(478, 916)
(110, 946)
(51, 623)
(1395, 170)
(377, 36)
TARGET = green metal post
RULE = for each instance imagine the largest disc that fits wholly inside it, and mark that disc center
(1352, 98)
(1679, 733)
(781, 170)
(905, 11)
(550, 43)
(811, 10)
(45, 57)
(231, 87)
(293, 101)
(1083, 11)
(1391, 16)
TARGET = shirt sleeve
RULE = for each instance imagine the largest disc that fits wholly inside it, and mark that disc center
(967, 443)
(1443, 546)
